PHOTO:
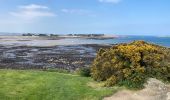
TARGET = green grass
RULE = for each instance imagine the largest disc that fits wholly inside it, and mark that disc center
(41, 85)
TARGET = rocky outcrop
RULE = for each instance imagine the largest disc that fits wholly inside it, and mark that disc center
(154, 90)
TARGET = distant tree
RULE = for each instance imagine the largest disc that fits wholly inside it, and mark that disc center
(42, 35)
(54, 35)
(70, 35)
(28, 34)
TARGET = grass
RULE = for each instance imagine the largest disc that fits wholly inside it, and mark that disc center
(42, 85)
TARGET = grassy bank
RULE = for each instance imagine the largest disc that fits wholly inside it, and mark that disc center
(39, 85)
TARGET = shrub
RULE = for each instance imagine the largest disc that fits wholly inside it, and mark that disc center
(111, 81)
(131, 63)
(84, 71)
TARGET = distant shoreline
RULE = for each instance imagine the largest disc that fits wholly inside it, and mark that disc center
(73, 40)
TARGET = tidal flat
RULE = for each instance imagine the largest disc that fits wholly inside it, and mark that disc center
(18, 52)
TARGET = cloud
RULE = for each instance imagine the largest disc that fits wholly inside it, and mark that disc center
(110, 1)
(75, 11)
(32, 11)
(33, 7)
(78, 12)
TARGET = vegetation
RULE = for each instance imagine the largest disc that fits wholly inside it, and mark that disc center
(84, 71)
(54, 35)
(57, 70)
(42, 85)
(131, 64)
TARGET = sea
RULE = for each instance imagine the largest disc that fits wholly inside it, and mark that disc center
(163, 41)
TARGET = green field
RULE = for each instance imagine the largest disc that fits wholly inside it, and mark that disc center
(41, 85)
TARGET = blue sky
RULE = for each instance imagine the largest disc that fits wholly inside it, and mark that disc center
(124, 17)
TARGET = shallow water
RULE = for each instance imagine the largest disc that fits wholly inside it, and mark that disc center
(36, 41)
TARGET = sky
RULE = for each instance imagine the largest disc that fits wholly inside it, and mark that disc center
(122, 17)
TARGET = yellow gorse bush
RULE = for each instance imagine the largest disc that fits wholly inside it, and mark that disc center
(131, 63)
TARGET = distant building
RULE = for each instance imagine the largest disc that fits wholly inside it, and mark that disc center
(86, 35)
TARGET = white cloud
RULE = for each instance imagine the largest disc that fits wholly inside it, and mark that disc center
(32, 11)
(33, 7)
(110, 1)
(78, 12)
(75, 11)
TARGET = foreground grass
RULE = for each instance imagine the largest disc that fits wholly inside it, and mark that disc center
(39, 85)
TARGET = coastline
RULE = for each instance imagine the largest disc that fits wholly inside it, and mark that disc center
(34, 52)
(68, 57)
(47, 41)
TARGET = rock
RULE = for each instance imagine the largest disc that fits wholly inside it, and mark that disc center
(154, 90)
(156, 85)
(168, 96)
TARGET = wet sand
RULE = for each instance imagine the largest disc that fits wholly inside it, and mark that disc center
(46, 41)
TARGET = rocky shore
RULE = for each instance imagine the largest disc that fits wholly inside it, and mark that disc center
(69, 57)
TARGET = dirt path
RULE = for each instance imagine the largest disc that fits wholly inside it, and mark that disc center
(154, 90)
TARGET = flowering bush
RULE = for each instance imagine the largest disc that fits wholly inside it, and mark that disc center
(131, 63)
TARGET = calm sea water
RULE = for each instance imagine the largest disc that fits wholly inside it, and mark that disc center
(163, 41)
